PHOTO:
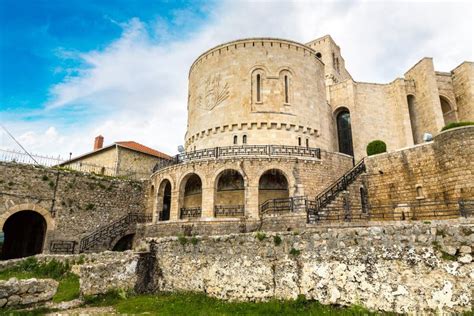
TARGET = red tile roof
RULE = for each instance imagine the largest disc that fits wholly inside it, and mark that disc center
(142, 148)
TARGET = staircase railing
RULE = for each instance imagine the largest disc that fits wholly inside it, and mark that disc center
(112, 230)
(341, 184)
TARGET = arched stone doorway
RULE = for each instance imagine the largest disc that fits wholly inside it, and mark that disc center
(24, 234)
(230, 194)
(344, 132)
(272, 185)
(164, 196)
(449, 115)
(191, 196)
(124, 243)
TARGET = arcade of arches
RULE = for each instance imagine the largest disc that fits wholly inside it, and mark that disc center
(24, 234)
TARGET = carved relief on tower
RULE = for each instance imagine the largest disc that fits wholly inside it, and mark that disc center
(215, 92)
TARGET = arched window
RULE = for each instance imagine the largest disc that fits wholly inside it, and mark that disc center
(235, 139)
(299, 141)
(307, 142)
(344, 132)
(259, 88)
(287, 99)
(244, 139)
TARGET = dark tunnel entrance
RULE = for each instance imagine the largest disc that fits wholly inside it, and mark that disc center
(124, 243)
(24, 234)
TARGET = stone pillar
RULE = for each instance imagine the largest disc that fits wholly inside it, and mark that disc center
(251, 200)
(174, 211)
(207, 204)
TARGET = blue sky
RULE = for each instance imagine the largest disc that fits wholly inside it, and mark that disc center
(70, 70)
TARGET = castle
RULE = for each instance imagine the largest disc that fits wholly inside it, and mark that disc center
(276, 139)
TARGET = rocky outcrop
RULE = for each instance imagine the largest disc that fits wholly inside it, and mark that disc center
(16, 292)
(399, 268)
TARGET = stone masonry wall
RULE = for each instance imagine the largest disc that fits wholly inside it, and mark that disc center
(401, 268)
(72, 203)
(16, 292)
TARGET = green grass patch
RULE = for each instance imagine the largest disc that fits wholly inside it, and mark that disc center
(202, 305)
(277, 240)
(260, 236)
(456, 124)
(68, 288)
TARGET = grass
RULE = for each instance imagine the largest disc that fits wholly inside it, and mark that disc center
(68, 288)
(456, 124)
(200, 304)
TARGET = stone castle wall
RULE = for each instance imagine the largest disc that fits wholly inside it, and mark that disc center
(72, 203)
(463, 85)
(421, 268)
(222, 86)
(442, 169)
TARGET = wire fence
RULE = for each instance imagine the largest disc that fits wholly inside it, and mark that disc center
(55, 162)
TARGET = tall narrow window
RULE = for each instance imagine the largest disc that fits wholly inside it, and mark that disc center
(235, 139)
(299, 141)
(286, 89)
(307, 143)
(259, 88)
(344, 132)
(244, 139)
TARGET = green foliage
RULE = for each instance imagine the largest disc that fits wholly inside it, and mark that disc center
(51, 183)
(260, 236)
(176, 304)
(277, 240)
(447, 256)
(68, 288)
(295, 252)
(194, 240)
(90, 206)
(456, 124)
(182, 240)
(376, 147)
(44, 178)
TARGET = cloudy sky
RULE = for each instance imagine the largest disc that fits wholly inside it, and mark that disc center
(70, 70)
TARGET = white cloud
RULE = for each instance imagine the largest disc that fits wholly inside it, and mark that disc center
(141, 82)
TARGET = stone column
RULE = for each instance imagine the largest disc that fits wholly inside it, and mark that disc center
(174, 211)
(207, 204)
(251, 200)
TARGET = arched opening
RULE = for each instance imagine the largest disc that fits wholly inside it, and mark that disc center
(235, 140)
(448, 112)
(411, 110)
(192, 197)
(259, 88)
(272, 185)
(165, 199)
(24, 234)
(344, 132)
(124, 243)
(230, 194)
(244, 139)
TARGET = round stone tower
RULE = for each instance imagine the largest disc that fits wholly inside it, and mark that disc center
(257, 91)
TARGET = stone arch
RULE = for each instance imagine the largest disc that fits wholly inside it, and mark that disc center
(411, 102)
(449, 114)
(25, 227)
(273, 184)
(344, 130)
(164, 199)
(229, 190)
(124, 242)
(190, 195)
(258, 76)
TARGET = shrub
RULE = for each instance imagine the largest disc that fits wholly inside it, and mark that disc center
(456, 124)
(194, 240)
(376, 147)
(277, 240)
(295, 252)
(260, 236)
(90, 206)
(44, 178)
(182, 240)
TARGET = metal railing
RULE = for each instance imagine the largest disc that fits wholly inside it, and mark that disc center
(244, 150)
(62, 246)
(190, 212)
(284, 205)
(229, 210)
(113, 230)
(341, 184)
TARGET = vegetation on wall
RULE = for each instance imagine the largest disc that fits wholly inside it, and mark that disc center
(376, 147)
(456, 124)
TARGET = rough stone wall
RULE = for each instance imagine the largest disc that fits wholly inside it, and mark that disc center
(463, 84)
(105, 158)
(132, 162)
(304, 176)
(221, 84)
(72, 203)
(400, 268)
(443, 169)
(16, 292)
